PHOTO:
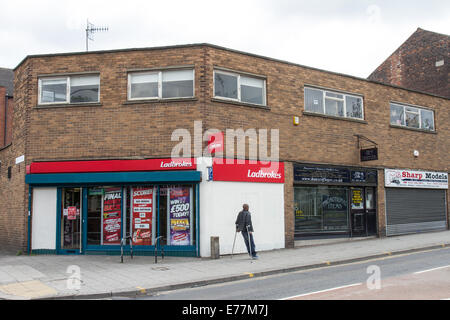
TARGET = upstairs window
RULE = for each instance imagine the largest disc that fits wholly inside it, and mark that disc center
(333, 103)
(69, 89)
(412, 117)
(240, 88)
(163, 84)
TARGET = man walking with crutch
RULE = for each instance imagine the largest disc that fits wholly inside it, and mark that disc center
(244, 225)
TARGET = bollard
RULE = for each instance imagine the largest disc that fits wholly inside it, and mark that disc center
(215, 251)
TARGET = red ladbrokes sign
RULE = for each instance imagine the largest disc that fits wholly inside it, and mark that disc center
(248, 171)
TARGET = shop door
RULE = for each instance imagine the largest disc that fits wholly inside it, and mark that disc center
(71, 220)
(371, 212)
(357, 213)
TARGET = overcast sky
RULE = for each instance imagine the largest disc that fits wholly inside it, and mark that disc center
(348, 36)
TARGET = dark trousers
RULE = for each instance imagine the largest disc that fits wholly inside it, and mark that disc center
(249, 240)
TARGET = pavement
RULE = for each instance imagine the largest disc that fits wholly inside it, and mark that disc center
(26, 277)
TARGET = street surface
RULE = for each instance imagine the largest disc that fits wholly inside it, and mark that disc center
(420, 275)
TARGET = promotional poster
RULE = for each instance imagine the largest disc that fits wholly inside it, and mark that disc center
(112, 201)
(142, 211)
(180, 212)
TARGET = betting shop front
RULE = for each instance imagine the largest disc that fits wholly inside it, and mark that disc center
(79, 207)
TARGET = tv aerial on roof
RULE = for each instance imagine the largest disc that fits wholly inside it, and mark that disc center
(90, 30)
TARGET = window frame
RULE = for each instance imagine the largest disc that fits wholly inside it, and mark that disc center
(239, 89)
(344, 95)
(68, 86)
(159, 72)
(418, 112)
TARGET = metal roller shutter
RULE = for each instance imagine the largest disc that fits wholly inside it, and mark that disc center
(414, 210)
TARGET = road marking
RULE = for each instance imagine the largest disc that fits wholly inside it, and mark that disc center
(321, 291)
(142, 290)
(423, 271)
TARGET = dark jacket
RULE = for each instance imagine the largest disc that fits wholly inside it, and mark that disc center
(243, 220)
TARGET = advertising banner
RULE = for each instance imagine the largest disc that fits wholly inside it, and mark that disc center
(316, 174)
(248, 171)
(112, 201)
(180, 216)
(415, 179)
(142, 211)
(113, 165)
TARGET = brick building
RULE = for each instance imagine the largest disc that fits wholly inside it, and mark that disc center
(93, 140)
(421, 63)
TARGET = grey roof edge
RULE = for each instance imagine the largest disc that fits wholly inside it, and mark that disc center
(225, 49)
(7, 80)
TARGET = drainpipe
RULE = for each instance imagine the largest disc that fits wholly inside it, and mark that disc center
(29, 221)
(6, 119)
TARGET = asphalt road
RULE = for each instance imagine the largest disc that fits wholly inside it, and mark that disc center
(420, 275)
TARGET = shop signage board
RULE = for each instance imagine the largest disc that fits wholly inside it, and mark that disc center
(415, 179)
(324, 175)
(111, 219)
(180, 216)
(248, 171)
(142, 211)
(369, 154)
(113, 165)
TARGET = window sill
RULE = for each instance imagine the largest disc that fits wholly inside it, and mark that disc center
(68, 105)
(243, 104)
(412, 129)
(308, 113)
(166, 100)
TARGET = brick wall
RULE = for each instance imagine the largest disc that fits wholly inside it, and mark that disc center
(13, 191)
(413, 64)
(117, 129)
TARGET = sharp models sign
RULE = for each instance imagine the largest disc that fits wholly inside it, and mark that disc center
(415, 179)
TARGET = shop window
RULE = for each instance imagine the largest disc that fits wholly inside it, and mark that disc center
(84, 89)
(412, 117)
(333, 103)
(321, 209)
(240, 88)
(163, 84)
(104, 216)
(69, 89)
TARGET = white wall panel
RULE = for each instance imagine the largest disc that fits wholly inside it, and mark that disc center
(43, 219)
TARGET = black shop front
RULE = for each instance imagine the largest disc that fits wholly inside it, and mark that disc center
(334, 201)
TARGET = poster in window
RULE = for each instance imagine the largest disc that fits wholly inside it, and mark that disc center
(180, 213)
(112, 201)
(142, 214)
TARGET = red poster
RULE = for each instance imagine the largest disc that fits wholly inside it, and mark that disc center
(112, 202)
(142, 209)
(71, 213)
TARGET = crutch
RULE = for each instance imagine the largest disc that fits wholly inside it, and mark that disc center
(249, 243)
(232, 250)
